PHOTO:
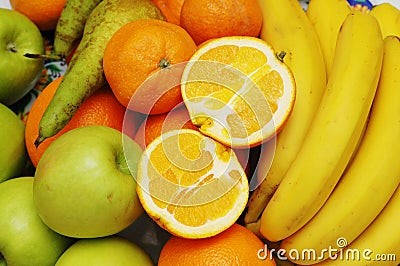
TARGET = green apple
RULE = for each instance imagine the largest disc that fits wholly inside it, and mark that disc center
(24, 238)
(83, 185)
(13, 155)
(108, 251)
(18, 74)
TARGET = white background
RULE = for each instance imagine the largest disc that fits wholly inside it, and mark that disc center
(5, 3)
(396, 3)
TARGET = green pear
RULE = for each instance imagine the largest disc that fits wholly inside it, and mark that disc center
(84, 74)
(71, 24)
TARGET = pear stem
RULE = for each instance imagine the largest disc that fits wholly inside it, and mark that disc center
(45, 56)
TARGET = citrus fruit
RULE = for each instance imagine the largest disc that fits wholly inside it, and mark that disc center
(132, 122)
(147, 50)
(154, 125)
(99, 109)
(171, 9)
(191, 185)
(237, 91)
(234, 246)
(207, 19)
(43, 13)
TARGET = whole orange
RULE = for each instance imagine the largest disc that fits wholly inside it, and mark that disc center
(234, 246)
(43, 13)
(141, 64)
(171, 9)
(154, 125)
(101, 108)
(207, 19)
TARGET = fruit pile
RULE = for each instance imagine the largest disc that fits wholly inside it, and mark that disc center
(200, 132)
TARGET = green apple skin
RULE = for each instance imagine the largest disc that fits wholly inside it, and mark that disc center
(24, 239)
(108, 251)
(83, 185)
(18, 74)
(13, 155)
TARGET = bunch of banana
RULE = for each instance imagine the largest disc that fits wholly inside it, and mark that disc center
(388, 17)
(378, 244)
(71, 23)
(372, 177)
(327, 17)
(84, 74)
(287, 28)
(334, 132)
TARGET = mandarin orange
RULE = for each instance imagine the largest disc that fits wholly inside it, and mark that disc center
(207, 19)
(43, 13)
(102, 108)
(234, 246)
(171, 9)
(154, 125)
(141, 64)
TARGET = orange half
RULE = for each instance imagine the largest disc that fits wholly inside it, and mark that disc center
(238, 91)
(191, 185)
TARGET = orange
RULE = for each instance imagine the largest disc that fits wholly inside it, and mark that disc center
(99, 109)
(177, 118)
(235, 246)
(155, 125)
(141, 64)
(207, 19)
(237, 91)
(191, 185)
(132, 122)
(171, 9)
(43, 13)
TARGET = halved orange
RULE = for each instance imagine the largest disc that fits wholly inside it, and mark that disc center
(238, 91)
(190, 184)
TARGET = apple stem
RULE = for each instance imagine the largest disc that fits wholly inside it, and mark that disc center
(11, 47)
(45, 56)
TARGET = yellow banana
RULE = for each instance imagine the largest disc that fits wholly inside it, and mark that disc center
(373, 174)
(327, 17)
(379, 244)
(388, 17)
(334, 132)
(287, 28)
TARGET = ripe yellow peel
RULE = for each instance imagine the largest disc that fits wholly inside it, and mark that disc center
(191, 185)
(237, 91)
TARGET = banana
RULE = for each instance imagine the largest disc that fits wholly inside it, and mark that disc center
(378, 244)
(374, 171)
(327, 17)
(287, 28)
(334, 132)
(71, 23)
(388, 17)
